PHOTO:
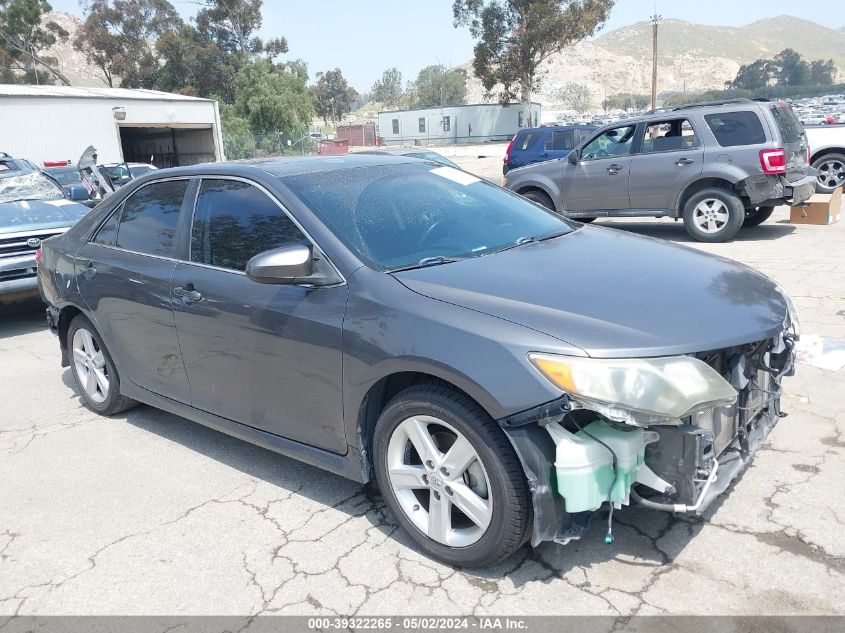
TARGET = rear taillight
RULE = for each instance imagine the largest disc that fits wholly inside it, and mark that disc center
(38, 256)
(773, 161)
(508, 150)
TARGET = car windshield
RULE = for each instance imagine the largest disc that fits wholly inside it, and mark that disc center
(413, 214)
(30, 186)
(433, 156)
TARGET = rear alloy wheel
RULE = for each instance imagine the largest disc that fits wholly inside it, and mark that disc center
(713, 215)
(831, 168)
(450, 477)
(756, 216)
(93, 370)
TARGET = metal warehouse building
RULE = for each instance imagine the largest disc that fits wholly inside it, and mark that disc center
(474, 123)
(48, 123)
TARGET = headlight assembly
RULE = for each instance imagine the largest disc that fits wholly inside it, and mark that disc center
(670, 387)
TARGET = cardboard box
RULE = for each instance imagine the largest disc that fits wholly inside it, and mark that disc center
(821, 208)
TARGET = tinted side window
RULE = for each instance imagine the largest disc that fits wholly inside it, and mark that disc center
(525, 141)
(149, 218)
(736, 128)
(234, 221)
(790, 127)
(561, 140)
(108, 231)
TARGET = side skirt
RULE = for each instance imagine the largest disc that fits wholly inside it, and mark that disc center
(348, 466)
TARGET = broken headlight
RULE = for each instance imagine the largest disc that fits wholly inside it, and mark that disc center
(666, 388)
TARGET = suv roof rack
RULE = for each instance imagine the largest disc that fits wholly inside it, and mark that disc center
(705, 104)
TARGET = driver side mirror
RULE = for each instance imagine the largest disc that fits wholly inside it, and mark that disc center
(572, 157)
(286, 265)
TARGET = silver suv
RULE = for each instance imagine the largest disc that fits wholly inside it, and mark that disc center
(718, 165)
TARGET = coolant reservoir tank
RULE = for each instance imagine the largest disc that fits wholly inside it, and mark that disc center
(584, 467)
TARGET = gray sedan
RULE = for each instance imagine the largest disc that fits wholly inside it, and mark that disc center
(399, 320)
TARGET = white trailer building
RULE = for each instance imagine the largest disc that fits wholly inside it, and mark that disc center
(473, 123)
(51, 123)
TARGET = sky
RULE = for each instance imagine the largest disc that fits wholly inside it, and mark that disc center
(365, 37)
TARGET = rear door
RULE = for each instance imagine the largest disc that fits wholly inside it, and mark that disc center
(598, 181)
(123, 274)
(526, 148)
(670, 157)
(793, 138)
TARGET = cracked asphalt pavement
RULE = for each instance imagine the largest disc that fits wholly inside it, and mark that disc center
(148, 513)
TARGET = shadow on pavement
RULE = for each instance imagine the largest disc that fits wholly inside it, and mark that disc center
(675, 232)
(637, 531)
(23, 317)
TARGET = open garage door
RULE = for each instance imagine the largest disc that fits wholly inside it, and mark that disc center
(167, 146)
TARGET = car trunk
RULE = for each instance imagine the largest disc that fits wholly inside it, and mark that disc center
(794, 141)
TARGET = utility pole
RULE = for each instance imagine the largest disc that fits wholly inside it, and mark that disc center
(655, 19)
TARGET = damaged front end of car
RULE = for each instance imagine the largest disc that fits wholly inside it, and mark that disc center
(668, 433)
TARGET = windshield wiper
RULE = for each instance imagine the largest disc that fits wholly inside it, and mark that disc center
(425, 262)
(527, 239)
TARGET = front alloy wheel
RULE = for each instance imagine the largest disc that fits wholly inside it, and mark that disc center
(450, 477)
(439, 481)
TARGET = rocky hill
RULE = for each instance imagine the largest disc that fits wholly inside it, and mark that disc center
(691, 57)
(71, 62)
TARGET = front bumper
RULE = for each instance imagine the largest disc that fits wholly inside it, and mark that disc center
(17, 289)
(696, 461)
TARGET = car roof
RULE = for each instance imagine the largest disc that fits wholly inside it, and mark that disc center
(281, 167)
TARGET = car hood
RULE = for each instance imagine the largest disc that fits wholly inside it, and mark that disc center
(34, 215)
(613, 294)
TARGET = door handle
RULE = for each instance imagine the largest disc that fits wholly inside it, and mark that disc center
(89, 271)
(683, 162)
(187, 293)
(614, 169)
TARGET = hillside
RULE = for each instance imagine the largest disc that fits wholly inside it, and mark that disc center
(620, 60)
(71, 62)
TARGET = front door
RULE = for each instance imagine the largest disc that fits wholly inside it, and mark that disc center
(123, 274)
(598, 181)
(671, 156)
(267, 356)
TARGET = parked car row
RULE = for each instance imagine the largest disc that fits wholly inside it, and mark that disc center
(718, 166)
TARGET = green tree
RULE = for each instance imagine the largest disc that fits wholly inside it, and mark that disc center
(791, 69)
(274, 98)
(192, 64)
(119, 36)
(755, 75)
(24, 37)
(575, 96)
(822, 72)
(333, 96)
(516, 36)
(238, 139)
(437, 85)
(388, 89)
(233, 24)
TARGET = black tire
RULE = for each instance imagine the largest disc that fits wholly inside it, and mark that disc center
(755, 216)
(511, 511)
(735, 215)
(833, 165)
(541, 198)
(114, 402)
